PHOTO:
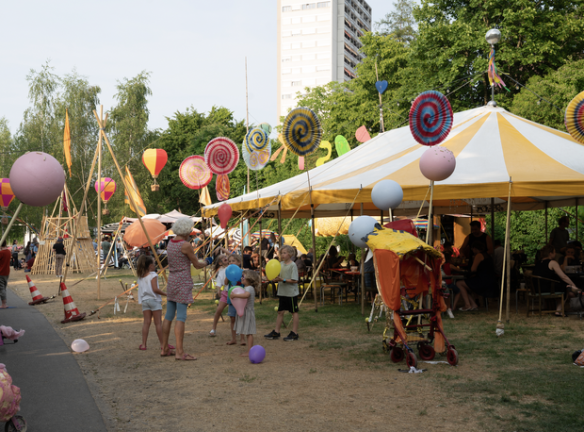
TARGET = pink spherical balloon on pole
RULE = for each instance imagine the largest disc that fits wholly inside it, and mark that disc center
(437, 163)
(37, 179)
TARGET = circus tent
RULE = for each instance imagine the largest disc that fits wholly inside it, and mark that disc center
(493, 147)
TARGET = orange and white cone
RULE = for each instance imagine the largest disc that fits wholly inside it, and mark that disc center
(37, 297)
(71, 311)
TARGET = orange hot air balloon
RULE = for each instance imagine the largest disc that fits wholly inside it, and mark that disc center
(154, 160)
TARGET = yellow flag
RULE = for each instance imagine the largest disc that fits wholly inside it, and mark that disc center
(132, 188)
(67, 142)
(205, 197)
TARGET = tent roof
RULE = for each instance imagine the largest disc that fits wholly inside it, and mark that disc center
(491, 146)
(167, 218)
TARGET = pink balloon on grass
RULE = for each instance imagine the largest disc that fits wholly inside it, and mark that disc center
(37, 179)
(239, 303)
(437, 163)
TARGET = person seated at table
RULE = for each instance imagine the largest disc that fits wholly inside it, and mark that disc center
(549, 268)
(246, 258)
(476, 235)
(482, 280)
(560, 236)
(352, 261)
(307, 261)
(569, 258)
(334, 260)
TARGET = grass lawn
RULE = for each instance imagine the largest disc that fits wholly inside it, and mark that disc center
(523, 381)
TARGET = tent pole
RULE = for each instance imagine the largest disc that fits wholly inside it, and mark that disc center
(363, 255)
(262, 260)
(430, 227)
(280, 223)
(546, 222)
(99, 212)
(577, 219)
(314, 266)
(381, 217)
(390, 214)
(493, 218)
(508, 257)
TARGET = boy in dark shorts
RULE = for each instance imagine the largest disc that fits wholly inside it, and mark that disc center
(287, 294)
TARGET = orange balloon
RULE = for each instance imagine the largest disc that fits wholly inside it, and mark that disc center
(154, 160)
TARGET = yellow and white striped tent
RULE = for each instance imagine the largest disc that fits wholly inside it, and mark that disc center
(491, 146)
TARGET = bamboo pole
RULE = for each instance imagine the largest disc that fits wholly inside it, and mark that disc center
(363, 256)
(508, 258)
(60, 202)
(5, 235)
(99, 250)
(247, 121)
(500, 325)
(83, 204)
(102, 131)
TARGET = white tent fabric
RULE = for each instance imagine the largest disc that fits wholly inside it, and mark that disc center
(167, 218)
(492, 146)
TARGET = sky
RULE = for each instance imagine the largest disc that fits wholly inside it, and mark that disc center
(195, 51)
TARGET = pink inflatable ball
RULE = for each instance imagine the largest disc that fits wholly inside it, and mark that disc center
(37, 179)
(257, 354)
(437, 163)
(79, 346)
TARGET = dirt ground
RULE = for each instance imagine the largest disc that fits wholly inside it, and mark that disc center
(297, 388)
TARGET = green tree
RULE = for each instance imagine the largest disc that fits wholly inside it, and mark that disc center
(557, 89)
(400, 22)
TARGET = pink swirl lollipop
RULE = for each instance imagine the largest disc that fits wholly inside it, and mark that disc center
(221, 155)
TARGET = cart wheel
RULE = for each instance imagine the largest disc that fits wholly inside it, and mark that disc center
(397, 354)
(411, 359)
(426, 352)
(15, 424)
(452, 357)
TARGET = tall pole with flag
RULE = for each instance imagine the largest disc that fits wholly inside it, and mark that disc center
(67, 142)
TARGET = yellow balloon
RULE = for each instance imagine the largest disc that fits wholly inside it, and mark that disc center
(273, 268)
(276, 308)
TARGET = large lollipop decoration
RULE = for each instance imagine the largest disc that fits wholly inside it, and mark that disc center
(256, 149)
(430, 118)
(221, 155)
(105, 190)
(430, 123)
(574, 118)
(222, 187)
(302, 131)
(194, 172)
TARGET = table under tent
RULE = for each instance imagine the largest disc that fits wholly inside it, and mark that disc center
(500, 156)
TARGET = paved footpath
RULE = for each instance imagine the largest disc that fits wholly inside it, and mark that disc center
(55, 395)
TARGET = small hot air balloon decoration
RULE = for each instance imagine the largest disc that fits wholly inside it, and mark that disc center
(154, 160)
(6, 196)
(107, 189)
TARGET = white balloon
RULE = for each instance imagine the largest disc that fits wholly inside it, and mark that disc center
(387, 194)
(359, 228)
(79, 346)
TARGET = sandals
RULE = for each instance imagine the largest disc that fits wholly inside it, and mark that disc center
(559, 315)
(143, 348)
(168, 353)
(185, 357)
(169, 347)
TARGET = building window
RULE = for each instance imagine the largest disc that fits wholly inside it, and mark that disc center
(324, 42)
(323, 4)
(296, 20)
(308, 57)
(296, 70)
(324, 17)
(308, 69)
(296, 32)
(286, 8)
(286, 71)
(286, 96)
(309, 44)
(323, 68)
(326, 55)
(309, 31)
(286, 59)
(295, 45)
(296, 83)
(308, 6)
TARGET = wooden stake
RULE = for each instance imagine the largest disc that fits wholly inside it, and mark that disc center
(363, 256)
(152, 248)
(99, 239)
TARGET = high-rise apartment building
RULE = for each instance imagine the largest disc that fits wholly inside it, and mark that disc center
(318, 42)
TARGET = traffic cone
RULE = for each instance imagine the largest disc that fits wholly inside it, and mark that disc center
(37, 297)
(71, 311)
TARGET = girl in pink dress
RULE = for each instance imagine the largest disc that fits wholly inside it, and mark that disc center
(179, 291)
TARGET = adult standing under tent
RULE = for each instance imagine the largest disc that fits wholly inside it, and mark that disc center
(559, 236)
(180, 286)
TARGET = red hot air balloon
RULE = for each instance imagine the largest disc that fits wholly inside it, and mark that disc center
(105, 190)
(224, 213)
(154, 160)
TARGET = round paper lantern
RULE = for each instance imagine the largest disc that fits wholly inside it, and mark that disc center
(359, 228)
(257, 353)
(79, 346)
(437, 163)
(387, 194)
(37, 179)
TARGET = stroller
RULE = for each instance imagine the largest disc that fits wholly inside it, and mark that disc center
(407, 270)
